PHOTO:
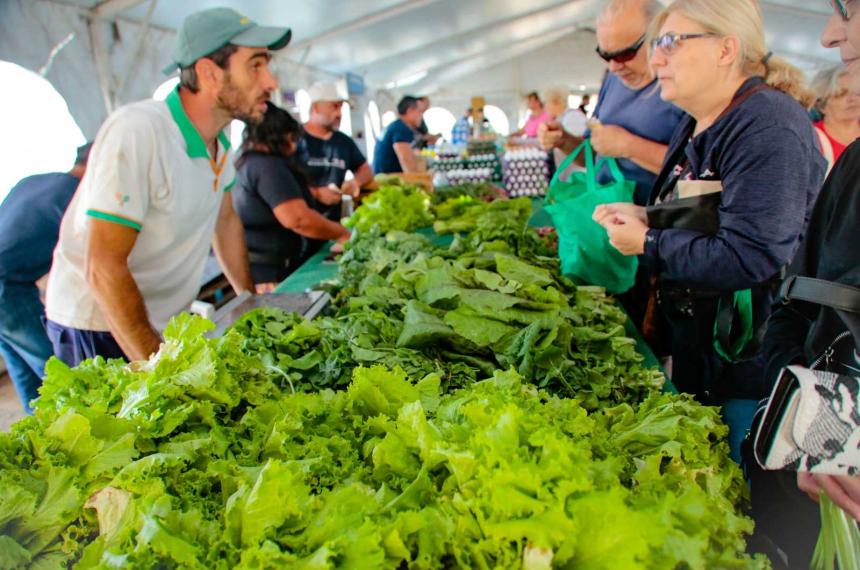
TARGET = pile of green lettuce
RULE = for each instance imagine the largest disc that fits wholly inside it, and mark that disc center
(396, 205)
(486, 191)
(204, 457)
(405, 303)
(461, 406)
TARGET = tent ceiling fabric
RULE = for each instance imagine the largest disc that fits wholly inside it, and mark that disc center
(438, 33)
(446, 47)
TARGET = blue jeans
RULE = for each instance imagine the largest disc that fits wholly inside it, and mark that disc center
(73, 346)
(24, 344)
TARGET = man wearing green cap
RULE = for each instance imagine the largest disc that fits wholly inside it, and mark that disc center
(135, 238)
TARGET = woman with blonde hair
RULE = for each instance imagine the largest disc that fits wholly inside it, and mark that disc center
(572, 121)
(840, 109)
(729, 207)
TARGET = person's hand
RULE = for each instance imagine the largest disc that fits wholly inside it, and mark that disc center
(350, 188)
(550, 135)
(328, 195)
(843, 490)
(605, 212)
(337, 246)
(610, 140)
(626, 233)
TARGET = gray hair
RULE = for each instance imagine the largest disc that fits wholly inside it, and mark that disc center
(615, 8)
(557, 94)
(825, 84)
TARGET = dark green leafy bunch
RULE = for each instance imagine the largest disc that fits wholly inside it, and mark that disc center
(498, 226)
(377, 252)
(394, 206)
(202, 459)
(477, 190)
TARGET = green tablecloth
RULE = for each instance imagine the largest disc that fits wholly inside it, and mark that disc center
(318, 269)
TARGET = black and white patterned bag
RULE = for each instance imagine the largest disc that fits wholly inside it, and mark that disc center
(812, 423)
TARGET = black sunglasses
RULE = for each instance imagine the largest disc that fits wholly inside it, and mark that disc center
(622, 55)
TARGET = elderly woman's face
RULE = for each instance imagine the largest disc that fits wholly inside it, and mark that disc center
(844, 104)
(689, 66)
(844, 34)
(555, 107)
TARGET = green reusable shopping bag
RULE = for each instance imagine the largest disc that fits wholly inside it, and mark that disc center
(586, 255)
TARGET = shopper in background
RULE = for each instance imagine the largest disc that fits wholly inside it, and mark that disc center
(34, 207)
(328, 154)
(537, 117)
(840, 109)
(393, 151)
(136, 236)
(749, 140)
(274, 201)
(631, 123)
(573, 121)
(584, 103)
(462, 128)
(798, 332)
(424, 138)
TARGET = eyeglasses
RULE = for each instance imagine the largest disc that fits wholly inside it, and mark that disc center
(622, 55)
(841, 8)
(668, 43)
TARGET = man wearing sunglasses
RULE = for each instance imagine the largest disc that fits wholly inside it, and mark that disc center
(631, 122)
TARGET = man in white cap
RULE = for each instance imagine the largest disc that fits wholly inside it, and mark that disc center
(329, 153)
(137, 233)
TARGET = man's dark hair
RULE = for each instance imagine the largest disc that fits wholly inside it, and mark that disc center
(535, 96)
(277, 128)
(221, 58)
(405, 104)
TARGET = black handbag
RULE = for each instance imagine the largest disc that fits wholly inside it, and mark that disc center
(697, 213)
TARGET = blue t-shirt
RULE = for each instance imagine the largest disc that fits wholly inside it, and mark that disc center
(385, 159)
(643, 113)
(30, 220)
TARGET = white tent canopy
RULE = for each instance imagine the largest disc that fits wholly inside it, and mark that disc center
(100, 54)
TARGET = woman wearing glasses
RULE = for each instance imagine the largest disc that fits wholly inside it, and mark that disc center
(749, 151)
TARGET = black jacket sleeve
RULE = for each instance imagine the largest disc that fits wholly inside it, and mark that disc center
(823, 255)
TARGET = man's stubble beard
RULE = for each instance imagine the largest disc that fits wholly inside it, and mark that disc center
(231, 100)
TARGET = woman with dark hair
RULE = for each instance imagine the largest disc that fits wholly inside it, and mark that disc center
(272, 198)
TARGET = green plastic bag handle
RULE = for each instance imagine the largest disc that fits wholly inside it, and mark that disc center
(742, 301)
(591, 169)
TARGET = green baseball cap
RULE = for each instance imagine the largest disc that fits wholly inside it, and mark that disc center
(209, 30)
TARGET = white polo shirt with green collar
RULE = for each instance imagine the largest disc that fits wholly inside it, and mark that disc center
(150, 170)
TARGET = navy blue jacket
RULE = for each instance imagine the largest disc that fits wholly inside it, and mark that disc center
(765, 153)
(30, 218)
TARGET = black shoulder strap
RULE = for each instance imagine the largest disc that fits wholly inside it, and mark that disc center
(828, 293)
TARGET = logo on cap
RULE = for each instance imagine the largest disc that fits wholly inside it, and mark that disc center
(243, 20)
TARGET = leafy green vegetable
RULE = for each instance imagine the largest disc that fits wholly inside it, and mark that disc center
(393, 207)
(386, 473)
(364, 438)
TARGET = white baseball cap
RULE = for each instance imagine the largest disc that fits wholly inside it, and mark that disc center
(325, 92)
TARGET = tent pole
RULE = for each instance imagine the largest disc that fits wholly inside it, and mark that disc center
(138, 50)
(100, 57)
